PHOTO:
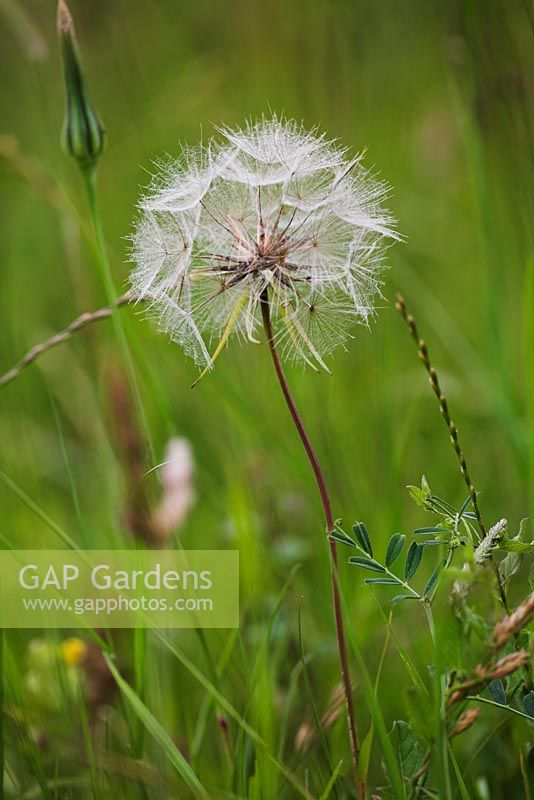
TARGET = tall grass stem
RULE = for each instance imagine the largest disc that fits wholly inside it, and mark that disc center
(453, 432)
(329, 520)
(90, 180)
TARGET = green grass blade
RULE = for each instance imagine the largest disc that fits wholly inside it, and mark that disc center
(208, 702)
(290, 701)
(233, 713)
(408, 663)
(139, 660)
(39, 512)
(311, 697)
(464, 792)
(262, 650)
(28, 745)
(331, 783)
(388, 753)
(367, 744)
(152, 725)
(89, 747)
(70, 473)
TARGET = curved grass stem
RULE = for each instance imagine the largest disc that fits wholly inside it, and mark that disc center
(85, 319)
(329, 520)
(424, 357)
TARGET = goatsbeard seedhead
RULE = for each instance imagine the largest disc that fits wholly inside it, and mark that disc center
(272, 214)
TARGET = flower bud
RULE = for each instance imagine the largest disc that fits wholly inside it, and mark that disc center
(510, 663)
(83, 135)
(467, 719)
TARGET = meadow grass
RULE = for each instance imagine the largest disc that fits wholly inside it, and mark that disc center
(442, 97)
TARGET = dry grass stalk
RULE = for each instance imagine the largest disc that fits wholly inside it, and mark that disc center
(513, 623)
(306, 733)
(485, 674)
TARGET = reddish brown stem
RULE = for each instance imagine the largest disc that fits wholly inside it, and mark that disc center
(329, 519)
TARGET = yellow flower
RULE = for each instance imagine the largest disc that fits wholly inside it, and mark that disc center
(72, 651)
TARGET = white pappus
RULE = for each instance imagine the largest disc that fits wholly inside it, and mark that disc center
(271, 214)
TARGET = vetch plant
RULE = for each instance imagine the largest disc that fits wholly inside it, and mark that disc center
(456, 684)
(273, 227)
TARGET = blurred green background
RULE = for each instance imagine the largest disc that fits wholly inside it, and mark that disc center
(441, 95)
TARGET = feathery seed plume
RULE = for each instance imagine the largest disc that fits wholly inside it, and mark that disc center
(490, 542)
(273, 214)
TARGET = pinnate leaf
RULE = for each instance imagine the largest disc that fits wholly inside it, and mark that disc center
(496, 690)
(360, 531)
(366, 563)
(394, 549)
(413, 559)
(341, 536)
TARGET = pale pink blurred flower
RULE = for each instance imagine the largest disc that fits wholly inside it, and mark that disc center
(178, 491)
